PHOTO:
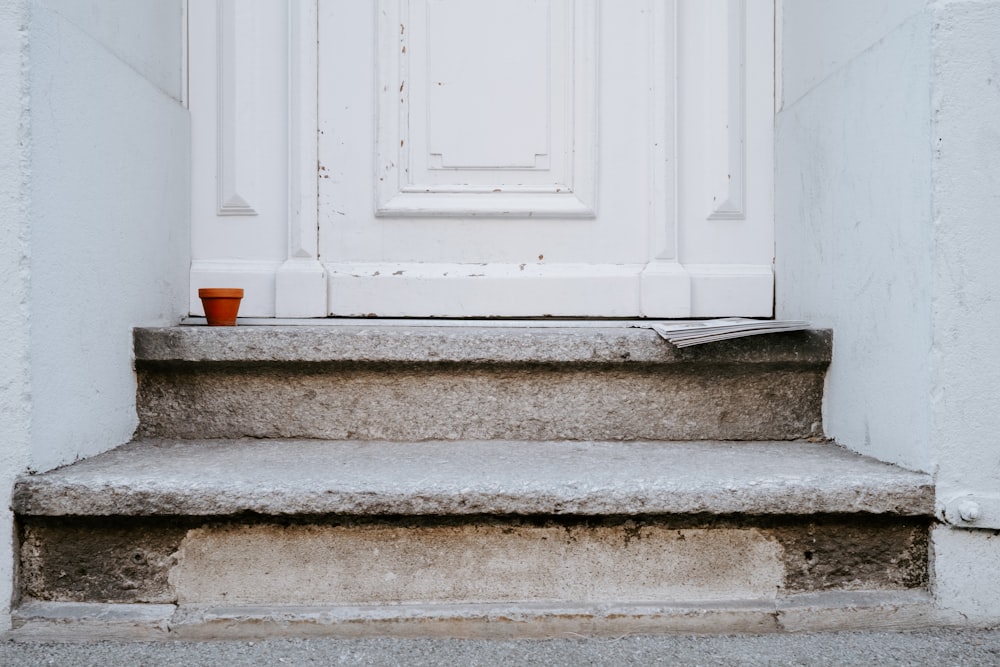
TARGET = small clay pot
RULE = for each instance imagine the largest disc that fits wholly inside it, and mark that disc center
(221, 305)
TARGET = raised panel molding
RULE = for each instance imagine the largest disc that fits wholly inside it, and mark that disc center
(235, 108)
(476, 290)
(301, 282)
(437, 101)
(728, 124)
(256, 277)
(725, 121)
(302, 130)
(726, 80)
(724, 290)
(664, 284)
(253, 99)
(662, 40)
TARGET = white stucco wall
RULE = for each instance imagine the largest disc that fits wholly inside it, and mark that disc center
(15, 372)
(146, 35)
(109, 217)
(853, 212)
(888, 193)
(965, 403)
(94, 223)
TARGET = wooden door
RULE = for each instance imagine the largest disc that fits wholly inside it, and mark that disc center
(517, 158)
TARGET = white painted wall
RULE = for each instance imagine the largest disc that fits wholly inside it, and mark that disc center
(965, 402)
(853, 212)
(15, 372)
(887, 199)
(146, 35)
(94, 223)
(109, 221)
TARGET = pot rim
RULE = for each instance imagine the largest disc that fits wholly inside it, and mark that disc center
(220, 292)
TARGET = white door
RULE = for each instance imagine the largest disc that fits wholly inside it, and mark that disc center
(496, 158)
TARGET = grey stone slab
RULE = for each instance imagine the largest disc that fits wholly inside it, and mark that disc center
(865, 609)
(396, 382)
(408, 402)
(392, 564)
(465, 344)
(54, 621)
(859, 610)
(206, 478)
(257, 559)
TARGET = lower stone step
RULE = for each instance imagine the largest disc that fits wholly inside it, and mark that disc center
(335, 524)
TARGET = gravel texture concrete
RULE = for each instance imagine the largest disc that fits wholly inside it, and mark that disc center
(475, 383)
(971, 647)
(465, 401)
(437, 343)
(837, 611)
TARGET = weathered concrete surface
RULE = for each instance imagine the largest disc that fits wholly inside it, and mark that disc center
(845, 553)
(455, 402)
(337, 560)
(451, 382)
(119, 560)
(889, 609)
(377, 564)
(93, 622)
(271, 478)
(798, 613)
(467, 344)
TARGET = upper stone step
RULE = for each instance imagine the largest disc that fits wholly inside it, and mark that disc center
(583, 343)
(281, 478)
(461, 382)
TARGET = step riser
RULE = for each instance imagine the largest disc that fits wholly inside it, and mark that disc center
(463, 401)
(495, 560)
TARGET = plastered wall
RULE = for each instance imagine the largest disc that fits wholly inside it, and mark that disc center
(965, 355)
(109, 217)
(887, 200)
(15, 372)
(853, 212)
(94, 223)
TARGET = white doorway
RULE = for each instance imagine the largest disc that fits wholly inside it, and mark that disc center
(485, 158)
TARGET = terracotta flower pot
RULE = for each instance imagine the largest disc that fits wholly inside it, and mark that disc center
(221, 305)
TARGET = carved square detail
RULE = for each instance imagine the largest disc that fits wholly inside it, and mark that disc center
(487, 108)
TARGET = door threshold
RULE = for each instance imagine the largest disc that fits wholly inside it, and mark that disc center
(548, 323)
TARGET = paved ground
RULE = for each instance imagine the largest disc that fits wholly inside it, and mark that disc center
(933, 647)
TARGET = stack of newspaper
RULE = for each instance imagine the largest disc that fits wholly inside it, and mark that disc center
(685, 334)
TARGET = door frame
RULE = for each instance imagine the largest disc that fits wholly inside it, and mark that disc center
(255, 200)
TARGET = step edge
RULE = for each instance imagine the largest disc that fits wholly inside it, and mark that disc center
(201, 480)
(124, 501)
(477, 345)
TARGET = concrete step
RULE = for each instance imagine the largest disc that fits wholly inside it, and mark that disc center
(474, 537)
(36, 621)
(459, 382)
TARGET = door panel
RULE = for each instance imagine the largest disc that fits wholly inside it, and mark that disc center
(486, 108)
(484, 158)
(490, 197)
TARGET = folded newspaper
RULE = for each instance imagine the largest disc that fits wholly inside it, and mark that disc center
(685, 334)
